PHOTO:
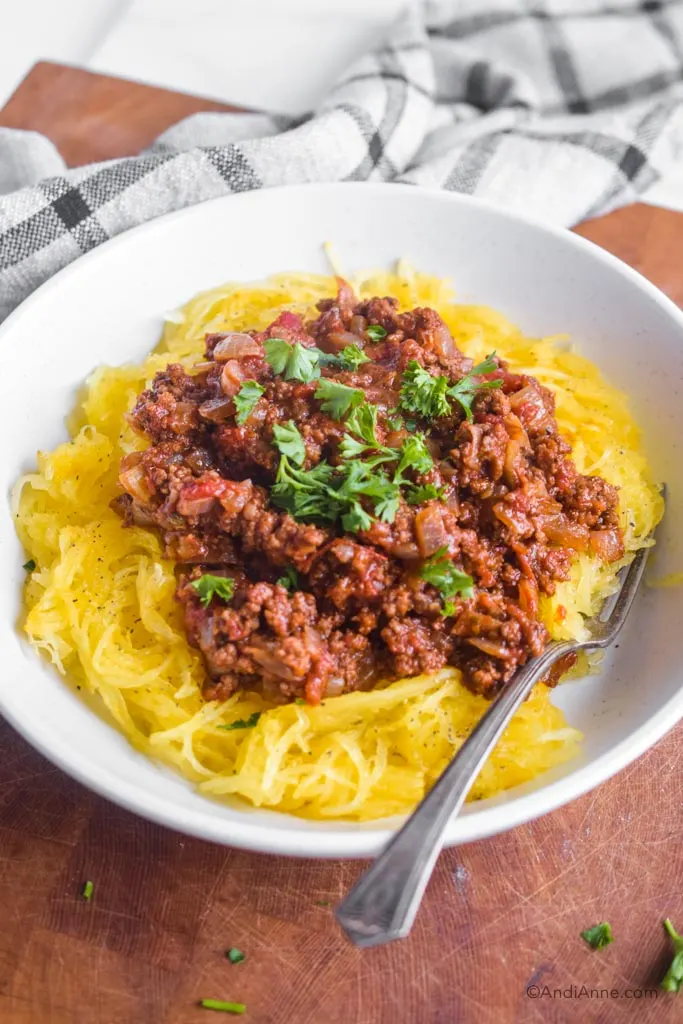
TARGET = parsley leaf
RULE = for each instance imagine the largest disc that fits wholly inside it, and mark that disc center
(242, 723)
(424, 394)
(361, 480)
(329, 493)
(448, 580)
(414, 455)
(87, 890)
(387, 506)
(356, 518)
(305, 494)
(235, 956)
(294, 362)
(487, 366)
(375, 332)
(348, 359)
(362, 421)
(466, 389)
(429, 396)
(29, 566)
(395, 421)
(673, 979)
(246, 398)
(208, 586)
(351, 357)
(427, 492)
(599, 936)
(288, 441)
(350, 447)
(337, 399)
(220, 1004)
(290, 579)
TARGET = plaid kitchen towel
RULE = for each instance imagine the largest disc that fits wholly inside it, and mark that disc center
(560, 109)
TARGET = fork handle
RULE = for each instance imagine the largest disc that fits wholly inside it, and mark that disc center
(382, 905)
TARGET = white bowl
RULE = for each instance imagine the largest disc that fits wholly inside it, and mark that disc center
(107, 308)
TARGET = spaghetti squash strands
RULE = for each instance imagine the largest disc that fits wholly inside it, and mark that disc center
(100, 601)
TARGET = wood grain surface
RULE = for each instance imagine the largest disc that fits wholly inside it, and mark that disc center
(500, 916)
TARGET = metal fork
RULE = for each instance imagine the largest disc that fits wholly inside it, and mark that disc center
(382, 905)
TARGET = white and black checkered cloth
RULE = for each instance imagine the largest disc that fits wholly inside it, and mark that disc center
(561, 109)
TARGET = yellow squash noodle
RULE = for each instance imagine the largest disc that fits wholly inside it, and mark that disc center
(100, 602)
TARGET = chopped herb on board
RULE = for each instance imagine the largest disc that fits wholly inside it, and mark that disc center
(87, 890)
(235, 956)
(599, 936)
(673, 979)
(219, 1004)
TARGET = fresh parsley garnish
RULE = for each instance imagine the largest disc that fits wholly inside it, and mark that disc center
(305, 494)
(246, 398)
(673, 979)
(293, 362)
(447, 578)
(235, 956)
(360, 479)
(346, 492)
(356, 518)
(208, 586)
(242, 723)
(220, 1004)
(337, 399)
(87, 890)
(429, 396)
(414, 455)
(29, 566)
(465, 390)
(334, 492)
(375, 332)
(362, 422)
(599, 936)
(290, 579)
(350, 358)
(395, 421)
(289, 442)
(426, 492)
(424, 394)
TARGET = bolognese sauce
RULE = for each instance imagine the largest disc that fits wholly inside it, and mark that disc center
(349, 499)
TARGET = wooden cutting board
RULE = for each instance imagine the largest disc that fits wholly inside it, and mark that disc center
(501, 918)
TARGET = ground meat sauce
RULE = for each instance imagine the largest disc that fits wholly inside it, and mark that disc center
(511, 512)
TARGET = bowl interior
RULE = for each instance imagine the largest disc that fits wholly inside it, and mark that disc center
(108, 308)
